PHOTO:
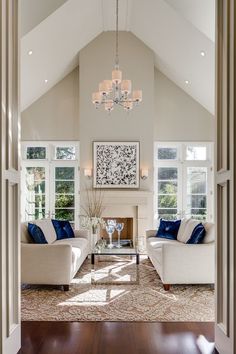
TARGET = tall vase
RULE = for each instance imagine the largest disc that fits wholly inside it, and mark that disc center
(94, 237)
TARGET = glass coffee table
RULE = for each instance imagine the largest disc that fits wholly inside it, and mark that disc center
(112, 252)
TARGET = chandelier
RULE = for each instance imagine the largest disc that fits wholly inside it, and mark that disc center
(116, 91)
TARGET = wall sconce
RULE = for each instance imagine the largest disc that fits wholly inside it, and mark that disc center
(88, 173)
(144, 173)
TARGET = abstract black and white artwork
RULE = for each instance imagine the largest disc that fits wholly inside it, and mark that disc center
(116, 164)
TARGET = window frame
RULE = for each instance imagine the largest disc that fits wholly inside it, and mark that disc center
(182, 165)
(50, 163)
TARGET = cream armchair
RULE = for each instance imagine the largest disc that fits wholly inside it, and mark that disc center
(55, 263)
(180, 263)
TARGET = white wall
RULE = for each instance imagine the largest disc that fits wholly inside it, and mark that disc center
(178, 117)
(55, 116)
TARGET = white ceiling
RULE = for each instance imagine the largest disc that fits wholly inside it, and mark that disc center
(176, 34)
(35, 11)
(199, 12)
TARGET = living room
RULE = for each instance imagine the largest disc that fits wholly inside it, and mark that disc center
(117, 176)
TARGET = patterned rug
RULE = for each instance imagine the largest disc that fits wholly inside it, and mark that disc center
(128, 300)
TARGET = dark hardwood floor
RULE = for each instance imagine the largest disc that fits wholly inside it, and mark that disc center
(113, 337)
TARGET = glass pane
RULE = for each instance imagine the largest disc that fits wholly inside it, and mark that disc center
(39, 187)
(65, 173)
(167, 173)
(197, 180)
(34, 193)
(39, 201)
(64, 187)
(39, 213)
(64, 201)
(36, 173)
(35, 179)
(64, 214)
(65, 153)
(167, 153)
(167, 187)
(197, 201)
(168, 214)
(199, 214)
(167, 201)
(197, 192)
(34, 153)
(196, 153)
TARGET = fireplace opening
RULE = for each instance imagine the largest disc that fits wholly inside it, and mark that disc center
(127, 232)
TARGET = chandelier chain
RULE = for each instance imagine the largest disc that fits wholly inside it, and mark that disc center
(117, 35)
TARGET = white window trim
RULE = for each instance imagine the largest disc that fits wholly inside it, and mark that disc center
(50, 149)
(181, 161)
(52, 162)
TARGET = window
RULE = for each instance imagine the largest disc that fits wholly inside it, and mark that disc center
(167, 153)
(36, 153)
(35, 179)
(65, 153)
(183, 181)
(196, 153)
(50, 186)
(167, 180)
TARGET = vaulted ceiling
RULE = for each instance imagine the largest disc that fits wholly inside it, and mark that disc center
(176, 30)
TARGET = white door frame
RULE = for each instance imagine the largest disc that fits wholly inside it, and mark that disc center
(225, 176)
(10, 328)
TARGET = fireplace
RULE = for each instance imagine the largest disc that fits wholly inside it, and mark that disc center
(127, 232)
(134, 208)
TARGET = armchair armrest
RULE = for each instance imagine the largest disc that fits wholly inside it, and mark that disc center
(82, 233)
(46, 264)
(151, 233)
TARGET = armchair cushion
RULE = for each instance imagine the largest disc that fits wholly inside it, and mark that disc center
(198, 235)
(47, 228)
(186, 229)
(37, 234)
(168, 229)
(63, 229)
(210, 232)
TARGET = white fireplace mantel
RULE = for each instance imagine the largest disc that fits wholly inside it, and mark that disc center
(137, 204)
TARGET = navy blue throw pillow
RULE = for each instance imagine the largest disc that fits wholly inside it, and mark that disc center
(36, 234)
(198, 235)
(168, 229)
(63, 229)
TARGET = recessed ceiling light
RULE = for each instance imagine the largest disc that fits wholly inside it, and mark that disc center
(187, 82)
(30, 52)
(46, 80)
(203, 54)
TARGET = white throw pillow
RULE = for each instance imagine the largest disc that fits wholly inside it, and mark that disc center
(189, 227)
(181, 229)
(48, 229)
(210, 232)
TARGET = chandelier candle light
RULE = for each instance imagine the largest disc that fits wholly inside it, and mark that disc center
(116, 91)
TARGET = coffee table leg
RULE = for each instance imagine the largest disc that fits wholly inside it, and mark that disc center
(137, 258)
(92, 258)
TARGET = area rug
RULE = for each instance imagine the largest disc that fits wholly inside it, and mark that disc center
(130, 300)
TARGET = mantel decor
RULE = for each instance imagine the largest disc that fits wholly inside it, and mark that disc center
(116, 164)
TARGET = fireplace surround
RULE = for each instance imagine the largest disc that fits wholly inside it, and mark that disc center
(135, 205)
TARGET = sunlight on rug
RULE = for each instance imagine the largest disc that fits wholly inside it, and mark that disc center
(131, 300)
